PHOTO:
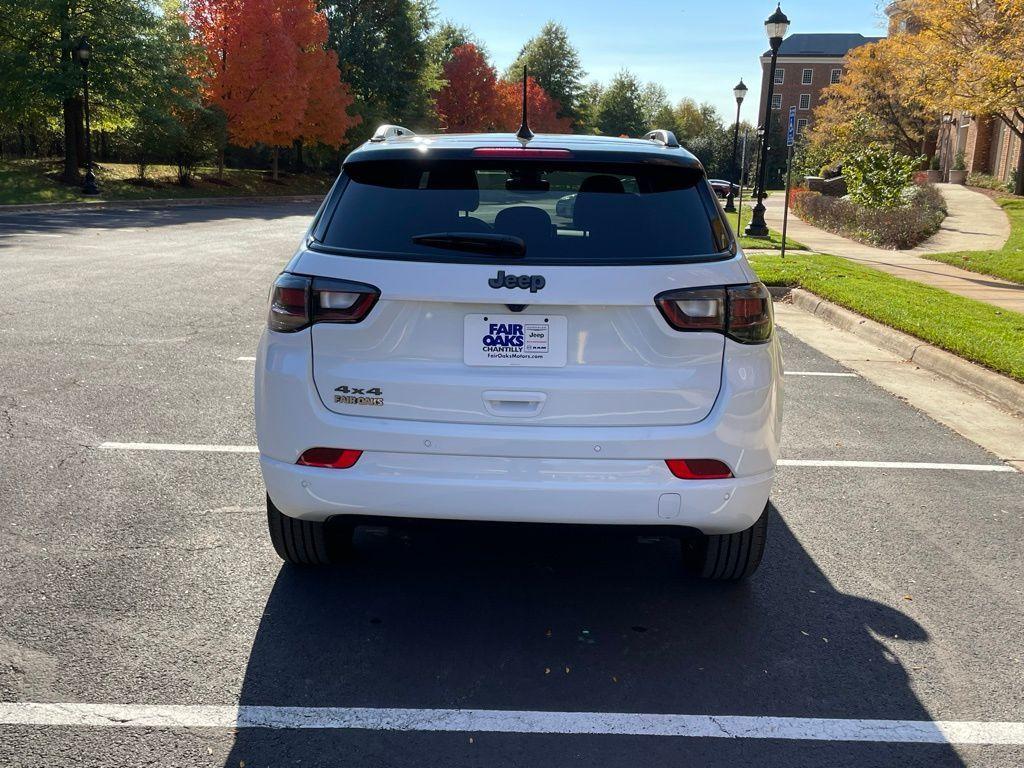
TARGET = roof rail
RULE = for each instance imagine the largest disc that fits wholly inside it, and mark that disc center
(387, 131)
(664, 137)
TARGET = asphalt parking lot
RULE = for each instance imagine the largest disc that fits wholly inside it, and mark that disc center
(137, 578)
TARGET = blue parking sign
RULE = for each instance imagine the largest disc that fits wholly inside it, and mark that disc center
(791, 134)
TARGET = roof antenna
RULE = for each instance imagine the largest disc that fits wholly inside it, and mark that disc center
(524, 134)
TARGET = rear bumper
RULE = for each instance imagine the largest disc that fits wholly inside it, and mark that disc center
(609, 475)
(595, 491)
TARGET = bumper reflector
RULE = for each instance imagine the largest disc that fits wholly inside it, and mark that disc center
(698, 469)
(333, 458)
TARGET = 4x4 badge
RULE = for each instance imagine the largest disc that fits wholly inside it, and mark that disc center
(533, 282)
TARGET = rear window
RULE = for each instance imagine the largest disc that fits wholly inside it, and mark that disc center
(555, 214)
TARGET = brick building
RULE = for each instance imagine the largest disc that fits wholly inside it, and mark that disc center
(807, 64)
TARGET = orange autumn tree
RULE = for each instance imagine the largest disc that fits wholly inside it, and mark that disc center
(475, 100)
(267, 67)
(469, 101)
(543, 110)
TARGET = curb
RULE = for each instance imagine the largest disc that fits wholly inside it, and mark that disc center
(1000, 389)
(169, 202)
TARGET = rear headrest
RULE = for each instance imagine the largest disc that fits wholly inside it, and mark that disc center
(459, 182)
(524, 221)
(603, 212)
(602, 183)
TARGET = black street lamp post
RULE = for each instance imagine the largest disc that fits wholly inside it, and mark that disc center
(739, 92)
(83, 52)
(775, 27)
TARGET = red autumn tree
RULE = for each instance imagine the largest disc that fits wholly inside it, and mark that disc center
(543, 110)
(469, 101)
(266, 66)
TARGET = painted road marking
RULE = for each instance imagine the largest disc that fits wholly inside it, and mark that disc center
(189, 447)
(895, 465)
(246, 359)
(820, 373)
(197, 448)
(510, 721)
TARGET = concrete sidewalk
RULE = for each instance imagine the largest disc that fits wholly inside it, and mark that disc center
(974, 222)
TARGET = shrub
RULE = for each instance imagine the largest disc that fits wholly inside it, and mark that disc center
(915, 219)
(987, 181)
(876, 176)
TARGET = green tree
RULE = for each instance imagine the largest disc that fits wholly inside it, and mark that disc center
(589, 103)
(384, 54)
(620, 110)
(695, 120)
(169, 122)
(656, 108)
(40, 74)
(555, 64)
(446, 38)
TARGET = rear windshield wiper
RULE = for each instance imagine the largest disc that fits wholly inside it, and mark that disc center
(475, 242)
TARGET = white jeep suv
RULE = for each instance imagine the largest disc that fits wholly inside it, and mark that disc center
(451, 343)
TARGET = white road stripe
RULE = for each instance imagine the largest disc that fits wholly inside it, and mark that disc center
(190, 447)
(895, 465)
(510, 721)
(820, 373)
(246, 359)
(197, 448)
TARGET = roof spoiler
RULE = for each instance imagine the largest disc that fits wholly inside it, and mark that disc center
(667, 138)
(387, 131)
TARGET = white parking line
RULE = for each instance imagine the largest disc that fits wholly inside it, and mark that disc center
(510, 721)
(895, 465)
(197, 448)
(190, 447)
(246, 359)
(821, 373)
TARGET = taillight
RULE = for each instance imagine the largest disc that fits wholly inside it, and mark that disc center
(297, 301)
(289, 303)
(332, 458)
(741, 312)
(699, 469)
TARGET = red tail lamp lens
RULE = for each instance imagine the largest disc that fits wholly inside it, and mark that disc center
(698, 469)
(332, 458)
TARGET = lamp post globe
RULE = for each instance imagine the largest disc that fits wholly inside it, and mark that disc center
(740, 91)
(775, 27)
(83, 54)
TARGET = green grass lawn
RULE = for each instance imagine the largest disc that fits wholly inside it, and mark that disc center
(976, 331)
(1007, 263)
(35, 181)
(774, 239)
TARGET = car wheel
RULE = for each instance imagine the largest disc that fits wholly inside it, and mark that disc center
(307, 542)
(729, 556)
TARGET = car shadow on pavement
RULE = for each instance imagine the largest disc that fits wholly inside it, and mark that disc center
(571, 619)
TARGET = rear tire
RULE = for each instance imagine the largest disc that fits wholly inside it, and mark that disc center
(306, 542)
(727, 556)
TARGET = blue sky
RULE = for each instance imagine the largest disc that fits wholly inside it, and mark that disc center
(696, 49)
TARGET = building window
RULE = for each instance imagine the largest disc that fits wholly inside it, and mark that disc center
(780, 76)
(801, 124)
(807, 77)
(805, 101)
(776, 101)
(836, 74)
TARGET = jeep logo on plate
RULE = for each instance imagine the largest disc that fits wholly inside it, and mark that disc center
(533, 282)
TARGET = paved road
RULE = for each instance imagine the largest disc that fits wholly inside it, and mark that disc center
(147, 578)
(974, 223)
